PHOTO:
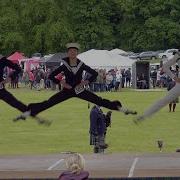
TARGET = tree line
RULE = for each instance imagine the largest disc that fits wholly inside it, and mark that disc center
(47, 25)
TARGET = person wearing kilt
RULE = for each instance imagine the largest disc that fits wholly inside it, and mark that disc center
(97, 129)
(94, 141)
(172, 104)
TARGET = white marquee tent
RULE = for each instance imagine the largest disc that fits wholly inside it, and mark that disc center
(119, 51)
(105, 59)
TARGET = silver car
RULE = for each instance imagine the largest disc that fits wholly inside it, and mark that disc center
(147, 55)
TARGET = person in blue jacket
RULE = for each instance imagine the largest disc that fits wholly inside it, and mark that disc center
(97, 129)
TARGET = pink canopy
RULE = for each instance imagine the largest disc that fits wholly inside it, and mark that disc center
(16, 57)
(30, 63)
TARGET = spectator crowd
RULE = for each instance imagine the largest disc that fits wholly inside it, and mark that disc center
(112, 80)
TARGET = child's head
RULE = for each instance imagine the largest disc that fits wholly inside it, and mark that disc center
(75, 163)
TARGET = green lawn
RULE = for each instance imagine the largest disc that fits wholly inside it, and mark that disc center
(69, 131)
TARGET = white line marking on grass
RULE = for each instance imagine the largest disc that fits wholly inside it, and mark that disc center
(55, 164)
(131, 171)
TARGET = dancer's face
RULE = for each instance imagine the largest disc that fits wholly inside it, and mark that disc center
(72, 53)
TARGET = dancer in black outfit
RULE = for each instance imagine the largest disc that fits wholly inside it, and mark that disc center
(4, 94)
(73, 85)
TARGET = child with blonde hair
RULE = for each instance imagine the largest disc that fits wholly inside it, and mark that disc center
(75, 164)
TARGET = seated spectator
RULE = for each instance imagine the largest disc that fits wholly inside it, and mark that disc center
(141, 81)
(75, 168)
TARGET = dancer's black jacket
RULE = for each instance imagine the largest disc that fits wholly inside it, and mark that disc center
(4, 94)
(4, 62)
(73, 78)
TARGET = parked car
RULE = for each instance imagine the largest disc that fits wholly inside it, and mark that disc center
(167, 53)
(154, 66)
(39, 55)
(147, 55)
(133, 55)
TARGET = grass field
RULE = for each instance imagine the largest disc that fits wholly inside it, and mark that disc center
(69, 131)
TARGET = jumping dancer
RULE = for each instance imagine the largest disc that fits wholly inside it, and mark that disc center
(4, 94)
(171, 95)
(73, 85)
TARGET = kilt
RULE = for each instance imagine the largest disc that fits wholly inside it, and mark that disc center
(97, 140)
(93, 139)
(175, 101)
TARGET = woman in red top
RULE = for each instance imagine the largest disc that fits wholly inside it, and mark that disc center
(31, 79)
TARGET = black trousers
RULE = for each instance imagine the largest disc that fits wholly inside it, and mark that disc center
(12, 101)
(66, 94)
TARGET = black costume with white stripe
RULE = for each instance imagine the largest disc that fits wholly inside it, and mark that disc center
(73, 76)
(4, 94)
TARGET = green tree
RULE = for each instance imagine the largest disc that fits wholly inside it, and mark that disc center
(47, 25)
(90, 24)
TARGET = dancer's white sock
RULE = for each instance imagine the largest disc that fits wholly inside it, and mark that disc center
(27, 113)
(122, 109)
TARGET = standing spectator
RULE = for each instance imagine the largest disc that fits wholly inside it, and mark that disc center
(123, 77)
(39, 78)
(101, 80)
(158, 79)
(97, 83)
(128, 77)
(172, 104)
(97, 129)
(25, 78)
(47, 81)
(75, 164)
(154, 77)
(109, 81)
(31, 79)
(118, 80)
(14, 79)
(113, 72)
